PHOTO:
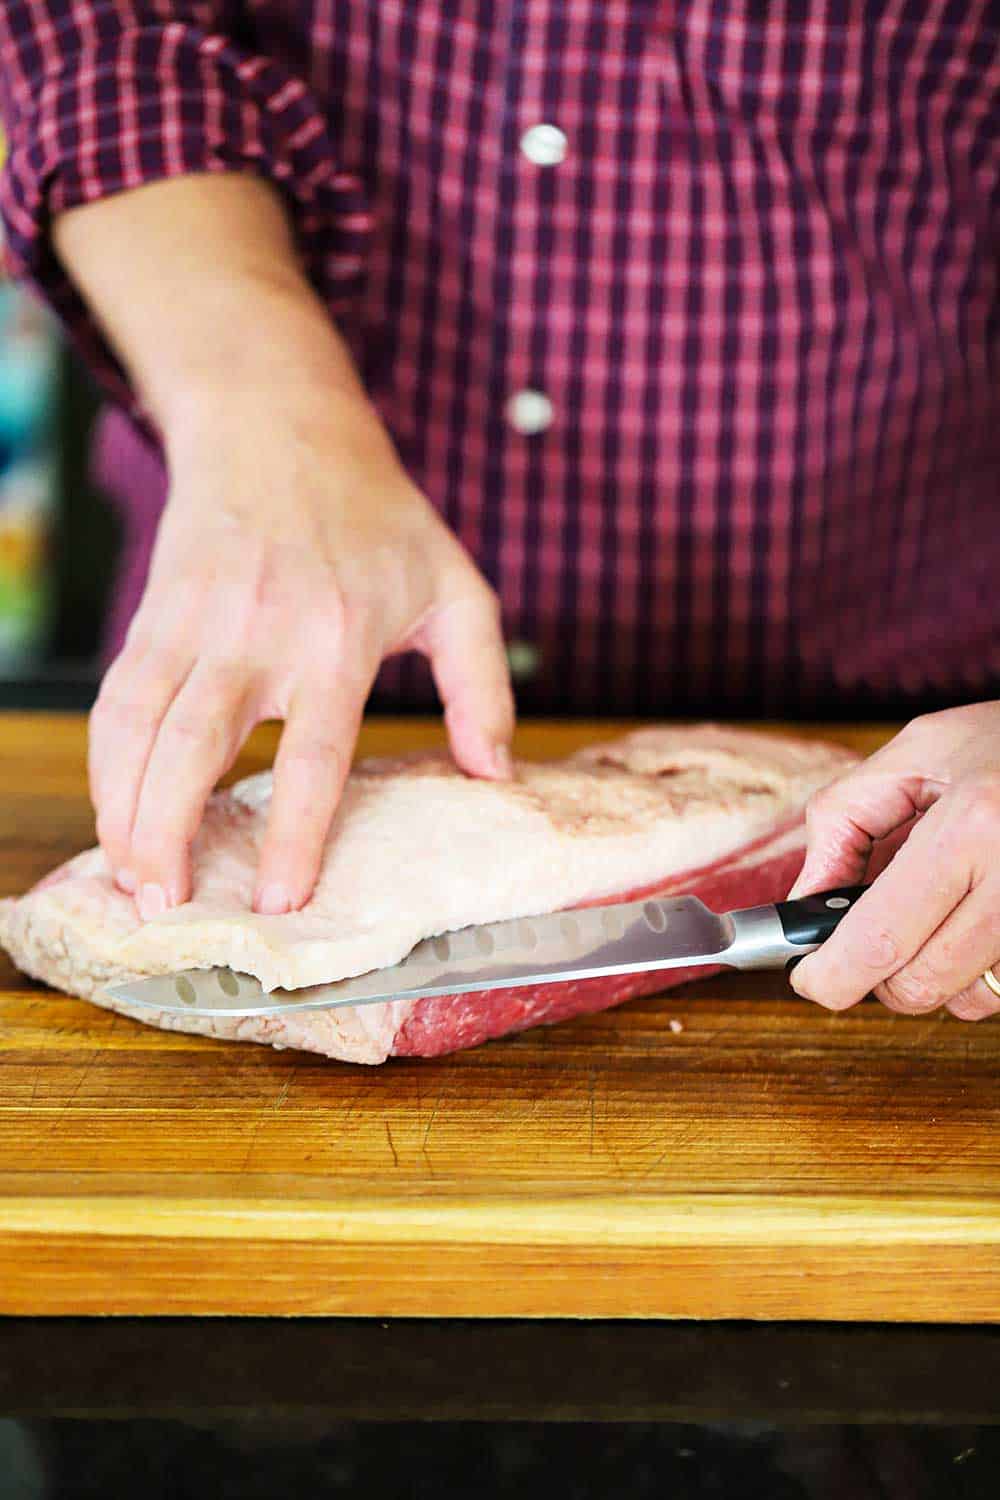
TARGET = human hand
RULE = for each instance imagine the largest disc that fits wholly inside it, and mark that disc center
(293, 556)
(929, 927)
(294, 553)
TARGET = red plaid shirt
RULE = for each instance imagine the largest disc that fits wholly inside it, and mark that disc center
(703, 374)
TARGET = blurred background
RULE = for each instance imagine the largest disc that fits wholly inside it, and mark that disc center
(62, 541)
(59, 537)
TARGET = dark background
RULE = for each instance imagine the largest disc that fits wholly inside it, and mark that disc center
(178, 1408)
(83, 549)
(88, 535)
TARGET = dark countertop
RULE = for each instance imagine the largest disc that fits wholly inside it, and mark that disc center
(430, 1370)
(261, 1407)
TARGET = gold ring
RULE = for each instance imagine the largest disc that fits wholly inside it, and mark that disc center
(993, 982)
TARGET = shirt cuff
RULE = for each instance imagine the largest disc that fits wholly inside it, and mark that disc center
(149, 103)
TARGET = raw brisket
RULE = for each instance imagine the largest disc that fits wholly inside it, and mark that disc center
(418, 849)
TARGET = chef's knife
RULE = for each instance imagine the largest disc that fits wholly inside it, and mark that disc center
(632, 937)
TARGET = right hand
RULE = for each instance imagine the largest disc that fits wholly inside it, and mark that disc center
(294, 554)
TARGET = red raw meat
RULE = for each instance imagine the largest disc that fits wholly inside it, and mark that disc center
(764, 872)
(418, 849)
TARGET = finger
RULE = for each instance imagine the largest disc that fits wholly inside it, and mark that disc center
(197, 741)
(977, 1002)
(465, 645)
(952, 960)
(310, 769)
(894, 918)
(845, 821)
(135, 695)
(885, 850)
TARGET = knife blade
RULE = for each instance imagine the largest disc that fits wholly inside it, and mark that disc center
(631, 937)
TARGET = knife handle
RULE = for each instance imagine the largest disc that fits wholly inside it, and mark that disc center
(812, 919)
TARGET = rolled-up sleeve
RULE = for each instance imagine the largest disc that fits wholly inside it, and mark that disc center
(100, 96)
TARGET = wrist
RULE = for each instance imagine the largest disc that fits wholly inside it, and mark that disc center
(281, 457)
(264, 348)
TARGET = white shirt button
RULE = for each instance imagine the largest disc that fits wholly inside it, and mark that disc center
(530, 412)
(524, 659)
(545, 145)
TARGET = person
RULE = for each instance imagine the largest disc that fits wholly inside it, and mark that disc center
(654, 344)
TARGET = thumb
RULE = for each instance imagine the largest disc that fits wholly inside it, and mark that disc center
(464, 643)
(846, 819)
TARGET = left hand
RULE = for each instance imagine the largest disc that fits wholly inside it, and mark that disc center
(924, 933)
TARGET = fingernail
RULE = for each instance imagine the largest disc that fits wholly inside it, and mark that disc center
(799, 980)
(125, 881)
(272, 900)
(502, 762)
(152, 902)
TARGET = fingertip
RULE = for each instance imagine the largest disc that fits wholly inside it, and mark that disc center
(821, 873)
(799, 981)
(481, 759)
(473, 749)
(286, 872)
(470, 669)
(154, 860)
(114, 837)
(152, 901)
(283, 886)
(807, 980)
(273, 899)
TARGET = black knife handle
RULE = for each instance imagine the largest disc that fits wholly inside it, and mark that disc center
(812, 919)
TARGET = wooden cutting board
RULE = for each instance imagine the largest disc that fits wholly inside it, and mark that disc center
(763, 1160)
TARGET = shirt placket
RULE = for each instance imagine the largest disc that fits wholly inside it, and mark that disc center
(537, 146)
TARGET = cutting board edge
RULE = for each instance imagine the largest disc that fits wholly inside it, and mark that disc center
(598, 1221)
(212, 1277)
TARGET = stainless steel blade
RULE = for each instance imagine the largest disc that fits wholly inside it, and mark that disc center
(629, 938)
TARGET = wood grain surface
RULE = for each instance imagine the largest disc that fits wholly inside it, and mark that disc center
(768, 1160)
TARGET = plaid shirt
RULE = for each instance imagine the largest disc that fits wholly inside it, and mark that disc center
(703, 373)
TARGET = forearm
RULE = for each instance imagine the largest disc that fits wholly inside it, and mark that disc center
(197, 288)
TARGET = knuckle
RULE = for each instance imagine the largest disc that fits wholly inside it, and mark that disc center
(195, 731)
(465, 588)
(357, 649)
(124, 715)
(333, 623)
(487, 601)
(145, 632)
(133, 705)
(915, 990)
(487, 595)
(877, 949)
(918, 727)
(982, 805)
(969, 1007)
(224, 673)
(888, 997)
(821, 805)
